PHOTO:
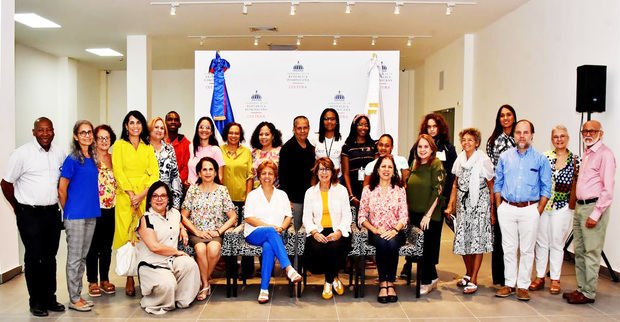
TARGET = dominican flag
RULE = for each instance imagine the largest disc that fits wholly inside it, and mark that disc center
(221, 111)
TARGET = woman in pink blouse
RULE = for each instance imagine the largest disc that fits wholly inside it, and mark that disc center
(383, 211)
(203, 145)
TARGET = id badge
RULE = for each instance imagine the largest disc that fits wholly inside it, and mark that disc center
(360, 174)
(441, 155)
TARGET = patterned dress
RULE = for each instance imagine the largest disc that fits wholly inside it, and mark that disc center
(207, 211)
(473, 231)
(169, 172)
(503, 142)
(561, 180)
(258, 157)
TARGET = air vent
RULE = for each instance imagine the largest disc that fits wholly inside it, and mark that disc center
(282, 47)
(263, 28)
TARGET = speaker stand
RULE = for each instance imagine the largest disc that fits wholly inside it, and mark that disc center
(613, 275)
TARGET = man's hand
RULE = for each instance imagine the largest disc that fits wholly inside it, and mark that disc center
(591, 223)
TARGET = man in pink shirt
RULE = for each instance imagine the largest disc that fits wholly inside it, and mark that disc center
(595, 190)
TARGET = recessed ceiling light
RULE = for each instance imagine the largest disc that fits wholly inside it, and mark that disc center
(103, 52)
(33, 20)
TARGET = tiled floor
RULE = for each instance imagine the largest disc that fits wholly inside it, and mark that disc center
(445, 303)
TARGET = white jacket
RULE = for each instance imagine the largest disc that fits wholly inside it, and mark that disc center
(339, 209)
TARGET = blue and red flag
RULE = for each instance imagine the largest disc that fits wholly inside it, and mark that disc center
(221, 111)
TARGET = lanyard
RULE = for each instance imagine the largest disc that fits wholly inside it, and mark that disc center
(328, 152)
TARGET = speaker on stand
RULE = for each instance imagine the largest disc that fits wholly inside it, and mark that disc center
(591, 86)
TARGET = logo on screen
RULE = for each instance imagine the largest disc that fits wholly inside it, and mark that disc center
(256, 107)
(340, 104)
(385, 76)
(339, 97)
(298, 67)
(256, 97)
(298, 77)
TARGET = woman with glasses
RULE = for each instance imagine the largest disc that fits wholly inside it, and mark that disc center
(169, 278)
(167, 159)
(135, 170)
(327, 218)
(78, 193)
(329, 142)
(204, 144)
(100, 253)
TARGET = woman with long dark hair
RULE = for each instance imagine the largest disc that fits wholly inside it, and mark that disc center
(78, 193)
(266, 144)
(328, 141)
(359, 149)
(501, 140)
(204, 144)
(135, 170)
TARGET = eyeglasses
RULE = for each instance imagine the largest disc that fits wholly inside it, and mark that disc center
(329, 119)
(204, 127)
(561, 136)
(103, 138)
(85, 133)
(325, 169)
(160, 197)
(589, 132)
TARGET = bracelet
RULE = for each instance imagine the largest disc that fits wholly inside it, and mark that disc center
(352, 197)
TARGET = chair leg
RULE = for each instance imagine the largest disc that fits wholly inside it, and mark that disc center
(235, 271)
(362, 267)
(303, 275)
(417, 279)
(356, 271)
(228, 277)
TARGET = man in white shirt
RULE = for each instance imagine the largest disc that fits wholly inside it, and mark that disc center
(30, 184)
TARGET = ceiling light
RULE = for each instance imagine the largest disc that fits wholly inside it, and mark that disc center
(202, 40)
(348, 7)
(173, 8)
(335, 40)
(33, 20)
(449, 8)
(299, 40)
(397, 7)
(244, 9)
(409, 41)
(294, 7)
(373, 41)
(256, 40)
(103, 52)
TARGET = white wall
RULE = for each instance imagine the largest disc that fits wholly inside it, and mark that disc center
(529, 58)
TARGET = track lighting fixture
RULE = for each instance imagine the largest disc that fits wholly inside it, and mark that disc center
(347, 9)
(299, 40)
(449, 8)
(397, 6)
(409, 42)
(173, 8)
(256, 40)
(335, 40)
(373, 41)
(294, 7)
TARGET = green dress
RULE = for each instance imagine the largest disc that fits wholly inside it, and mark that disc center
(424, 185)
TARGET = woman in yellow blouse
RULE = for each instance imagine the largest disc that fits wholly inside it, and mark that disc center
(135, 170)
(238, 171)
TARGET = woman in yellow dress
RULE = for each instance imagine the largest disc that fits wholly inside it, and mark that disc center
(135, 170)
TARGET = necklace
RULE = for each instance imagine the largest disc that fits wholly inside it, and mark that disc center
(328, 151)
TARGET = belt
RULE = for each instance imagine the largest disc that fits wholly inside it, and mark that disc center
(520, 204)
(50, 207)
(587, 201)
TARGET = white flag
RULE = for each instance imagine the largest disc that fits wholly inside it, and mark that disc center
(374, 102)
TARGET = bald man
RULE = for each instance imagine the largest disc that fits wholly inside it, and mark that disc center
(30, 184)
(595, 190)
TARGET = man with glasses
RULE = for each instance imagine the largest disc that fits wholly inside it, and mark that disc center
(30, 184)
(595, 190)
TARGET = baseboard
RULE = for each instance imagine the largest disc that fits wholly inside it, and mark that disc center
(8, 275)
(604, 271)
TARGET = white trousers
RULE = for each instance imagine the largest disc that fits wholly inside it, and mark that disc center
(519, 227)
(553, 229)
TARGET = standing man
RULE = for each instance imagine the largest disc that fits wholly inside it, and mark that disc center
(296, 162)
(595, 190)
(180, 144)
(522, 188)
(30, 184)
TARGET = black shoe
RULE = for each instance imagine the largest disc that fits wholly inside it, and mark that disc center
(392, 298)
(382, 299)
(55, 307)
(38, 311)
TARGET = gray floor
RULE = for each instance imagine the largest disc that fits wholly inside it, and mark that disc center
(445, 303)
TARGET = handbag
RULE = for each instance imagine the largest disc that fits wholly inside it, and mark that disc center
(127, 255)
(572, 200)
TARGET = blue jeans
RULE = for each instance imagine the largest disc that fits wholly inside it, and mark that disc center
(270, 240)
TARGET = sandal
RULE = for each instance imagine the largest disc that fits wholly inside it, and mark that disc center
(263, 296)
(107, 287)
(464, 281)
(293, 275)
(94, 290)
(382, 299)
(392, 298)
(202, 295)
(470, 288)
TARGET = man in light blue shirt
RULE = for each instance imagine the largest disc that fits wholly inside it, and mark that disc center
(522, 188)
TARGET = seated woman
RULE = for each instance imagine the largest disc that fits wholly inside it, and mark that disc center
(168, 277)
(207, 213)
(383, 211)
(327, 218)
(267, 214)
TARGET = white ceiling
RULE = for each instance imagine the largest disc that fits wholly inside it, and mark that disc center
(106, 23)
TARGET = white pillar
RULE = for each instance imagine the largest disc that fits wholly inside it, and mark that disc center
(139, 74)
(66, 113)
(468, 81)
(9, 255)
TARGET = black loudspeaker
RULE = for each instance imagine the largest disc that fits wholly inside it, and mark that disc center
(591, 82)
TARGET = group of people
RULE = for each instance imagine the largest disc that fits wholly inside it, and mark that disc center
(155, 188)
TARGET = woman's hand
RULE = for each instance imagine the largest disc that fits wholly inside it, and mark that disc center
(203, 234)
(493, 218)
(334, 236)
(184, 236)
(424, 223)
(278, 229)
(320, 238)
(354, 201)
(213, 234)
(388, 234)
(181, 253)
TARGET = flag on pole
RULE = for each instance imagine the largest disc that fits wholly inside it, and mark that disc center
(221, 111)
(374, 101)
